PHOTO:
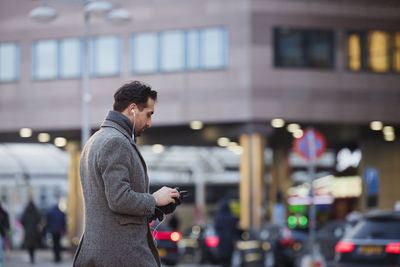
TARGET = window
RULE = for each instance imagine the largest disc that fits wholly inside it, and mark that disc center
(106, 56)
(396, 52)
(172, 51)
(377, 51)
(193, 49)
(179, 50)
(213, 48)
(70, 58)
(304, 48)
(145, 52)
(45, 60)
(9, 62)
(54, 59)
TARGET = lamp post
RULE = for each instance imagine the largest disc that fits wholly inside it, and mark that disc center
(45, 14)
(114, 15)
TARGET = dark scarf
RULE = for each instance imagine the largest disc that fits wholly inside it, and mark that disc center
(122, 121)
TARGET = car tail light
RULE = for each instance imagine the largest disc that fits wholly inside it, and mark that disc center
(287, 242)
(167, 235)
(212, 241)
(393, 248)
(175, 236)
(344, 247)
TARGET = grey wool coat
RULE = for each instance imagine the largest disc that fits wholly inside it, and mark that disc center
(117, 203)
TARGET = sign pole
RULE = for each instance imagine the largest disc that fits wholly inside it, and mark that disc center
(311, 173)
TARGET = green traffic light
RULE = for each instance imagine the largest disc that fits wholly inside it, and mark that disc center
(291, 221)
(303, 221)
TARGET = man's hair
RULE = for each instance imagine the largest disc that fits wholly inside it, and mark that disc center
(134, 92)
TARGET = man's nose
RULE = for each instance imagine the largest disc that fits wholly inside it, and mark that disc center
(148, 124)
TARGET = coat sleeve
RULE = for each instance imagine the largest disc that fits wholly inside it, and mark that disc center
(114, 164)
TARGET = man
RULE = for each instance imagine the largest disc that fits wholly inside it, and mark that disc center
(115, 186)
(56, 226)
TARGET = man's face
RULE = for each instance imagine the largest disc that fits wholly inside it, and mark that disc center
(143, 118)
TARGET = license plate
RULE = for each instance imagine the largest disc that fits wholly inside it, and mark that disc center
(370, 250)
(162, 252)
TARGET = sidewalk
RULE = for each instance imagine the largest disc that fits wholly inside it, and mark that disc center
(44, 258)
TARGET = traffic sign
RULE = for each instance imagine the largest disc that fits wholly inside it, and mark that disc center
(303, 145)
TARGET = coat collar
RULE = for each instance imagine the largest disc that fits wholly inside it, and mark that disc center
(120, 122)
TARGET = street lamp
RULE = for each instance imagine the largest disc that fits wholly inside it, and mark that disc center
(115, 15)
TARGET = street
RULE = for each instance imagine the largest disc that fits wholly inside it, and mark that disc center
(44, 258)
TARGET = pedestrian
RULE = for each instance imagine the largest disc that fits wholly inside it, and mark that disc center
(4, 225)
(4, 228)
(31, 222)
(225, 226)
(115, 185)
(56, 226)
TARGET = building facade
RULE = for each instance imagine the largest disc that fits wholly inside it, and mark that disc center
(233, 65)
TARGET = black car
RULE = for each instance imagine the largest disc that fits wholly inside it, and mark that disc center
(167, 243)
(374, 241)
(200, 244)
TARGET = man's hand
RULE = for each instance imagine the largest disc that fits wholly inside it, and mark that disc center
(165, 195)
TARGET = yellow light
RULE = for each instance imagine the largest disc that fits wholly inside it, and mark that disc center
(157, 148)
(43, 137)
(298, 133)
(196, 125)
(176, 236)
(62, 205)
(378, 51)
(388, 130)
(277, 123)
(292, 127)
(376, 125)
(238, 150)
(60, 141)
(389, 137)
(223, 141)
(75, 240)
(396, 52)
(25, 132)
(354, 52)
(232, 144)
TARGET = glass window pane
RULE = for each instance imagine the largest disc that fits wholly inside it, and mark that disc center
(396, 52)
(106, 55)
(289, 49)
(45, 55)
(172, 51)
(354, 51)
(378, 51)
(70, 53)
(320, 47)
(145, 54)
(213, 48)
(193, 50)
(8, 62)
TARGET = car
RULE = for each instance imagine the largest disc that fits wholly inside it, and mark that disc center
(272, 245)
(167, 242)
(373, 241)
(200, 244)
(256, 248)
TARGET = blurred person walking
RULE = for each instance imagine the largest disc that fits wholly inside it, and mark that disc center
(225, 226)
(4, 226)
(31, 222)
(115, 184)
(56, 226)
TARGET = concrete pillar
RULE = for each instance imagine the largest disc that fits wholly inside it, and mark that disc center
(75, 197)
(280, 180)
(251, 180)
(385, 157)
